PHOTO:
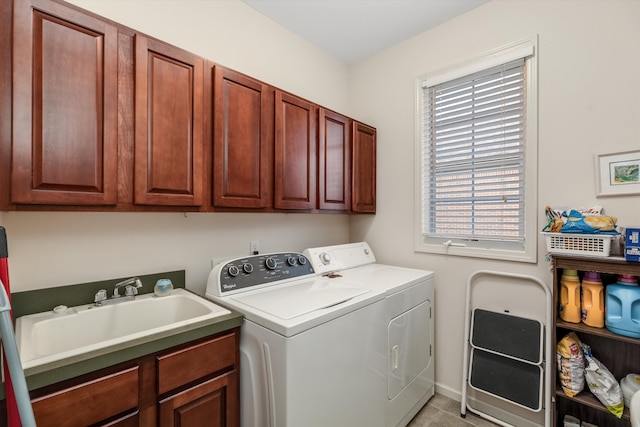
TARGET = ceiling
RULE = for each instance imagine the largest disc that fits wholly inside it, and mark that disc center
(352, 30)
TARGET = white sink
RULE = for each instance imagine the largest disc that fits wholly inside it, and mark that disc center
(48, 337)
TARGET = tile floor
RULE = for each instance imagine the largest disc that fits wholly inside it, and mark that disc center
(442, 411)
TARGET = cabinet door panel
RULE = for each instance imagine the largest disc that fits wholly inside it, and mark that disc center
(65, 107)
(212, 403)
(89, 403)
(169, 135)
(334, 161)
(295, 153)
(364, 169)
(242, 142)
(177, 368)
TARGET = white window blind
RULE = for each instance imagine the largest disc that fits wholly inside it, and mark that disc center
(473, 162)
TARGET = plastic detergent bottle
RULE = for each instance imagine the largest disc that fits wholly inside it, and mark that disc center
(622, 304)
(569, 309)
(592, 300)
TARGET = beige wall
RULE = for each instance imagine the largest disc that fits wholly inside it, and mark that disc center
(53, 249)
(62, 248)
(588, 104)
(231, 33)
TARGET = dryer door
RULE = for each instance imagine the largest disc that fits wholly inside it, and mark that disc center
(409, 354)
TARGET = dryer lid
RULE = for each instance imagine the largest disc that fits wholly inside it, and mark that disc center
(300, 298)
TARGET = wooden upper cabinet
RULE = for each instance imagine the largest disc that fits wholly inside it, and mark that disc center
(295, 153)
(242, 141)
(169, 125)
(364, 169)
(65, 106)
(334, 161)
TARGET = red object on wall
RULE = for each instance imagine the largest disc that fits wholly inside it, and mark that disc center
(13, 416)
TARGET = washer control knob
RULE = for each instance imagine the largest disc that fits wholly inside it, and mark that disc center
(270, 263)
(247, 268)
(302, 260)
(233, 271)
(291, 261)
(325, 258)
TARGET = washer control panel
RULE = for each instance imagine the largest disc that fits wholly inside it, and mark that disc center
(257, 270)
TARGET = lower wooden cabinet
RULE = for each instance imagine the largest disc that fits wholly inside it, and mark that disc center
(210, 403)
(194, 384)
(90, 402)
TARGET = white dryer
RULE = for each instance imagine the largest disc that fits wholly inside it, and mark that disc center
(407, 323)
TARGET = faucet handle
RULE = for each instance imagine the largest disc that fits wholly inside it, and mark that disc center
(130, 290)
(100, 296)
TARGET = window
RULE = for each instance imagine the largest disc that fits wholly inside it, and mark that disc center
(477, 144)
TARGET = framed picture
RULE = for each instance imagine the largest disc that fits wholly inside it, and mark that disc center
(618, 174)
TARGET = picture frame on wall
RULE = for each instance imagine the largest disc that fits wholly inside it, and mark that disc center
(618, 174)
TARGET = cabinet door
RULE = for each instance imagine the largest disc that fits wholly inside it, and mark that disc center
(91, 402)
(363, 189)
(65, 106)
(295, 153)
(169, 131)
(185, 365)
(334, 161)
(212, 403)
(242, 141)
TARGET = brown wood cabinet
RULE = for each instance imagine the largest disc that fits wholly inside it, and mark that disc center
(90, 402)
(242, 141)
(97, 116)
(364, 169)
(295, 152)
(207, 404)
(65, 107)
(212, 402)
(620, 354)
(334, 161)
(191, 385)
(169, 125)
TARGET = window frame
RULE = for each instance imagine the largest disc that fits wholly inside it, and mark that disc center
(501, 250)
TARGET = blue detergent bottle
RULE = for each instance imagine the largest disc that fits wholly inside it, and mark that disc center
(622, 307)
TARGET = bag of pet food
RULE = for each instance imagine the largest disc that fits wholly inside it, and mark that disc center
(603, 384)
(570, 364)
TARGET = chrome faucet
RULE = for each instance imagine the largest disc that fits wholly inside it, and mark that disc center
(130, 291)
(128, 285)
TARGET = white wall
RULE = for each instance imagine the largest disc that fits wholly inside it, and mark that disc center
(54, 249)
(231, 33)
(588, 104)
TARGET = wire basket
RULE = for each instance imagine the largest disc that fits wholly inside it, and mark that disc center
(579, 244)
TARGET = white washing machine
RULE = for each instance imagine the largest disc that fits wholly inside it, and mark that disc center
(407, 322)
(312, 353)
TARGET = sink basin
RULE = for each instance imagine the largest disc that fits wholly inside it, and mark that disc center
(48, 337)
